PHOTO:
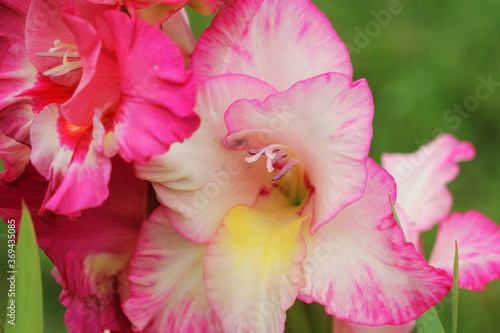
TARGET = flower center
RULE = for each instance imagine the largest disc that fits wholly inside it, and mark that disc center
(65, 51)
(275, 153)
(293, 187)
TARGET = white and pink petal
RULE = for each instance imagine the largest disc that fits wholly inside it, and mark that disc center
(478, 240)
(199, 180)
(359, 266)
(166, 282)
(422, 177)
(252, 269)
(297, 35)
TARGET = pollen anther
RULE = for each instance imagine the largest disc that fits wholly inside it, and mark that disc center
(64, 51)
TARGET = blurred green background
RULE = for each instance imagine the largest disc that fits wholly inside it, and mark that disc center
(420, 60)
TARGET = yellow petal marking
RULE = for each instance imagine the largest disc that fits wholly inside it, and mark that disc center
(267, 241)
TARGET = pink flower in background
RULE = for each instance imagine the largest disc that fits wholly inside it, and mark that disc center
(274, 198)
(98, 93)
(424, 200)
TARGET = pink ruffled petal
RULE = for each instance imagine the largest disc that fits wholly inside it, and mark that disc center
(67, 156)
(158, 95)
(99, 85)
(422, 177)
(30, 187)
(166, 282)
(278, 41)
(478, 240)
(16, 157)
(252, 269)
(199, 180)
(16, 72)
(360, 268)
(325, 122)
(91, 314)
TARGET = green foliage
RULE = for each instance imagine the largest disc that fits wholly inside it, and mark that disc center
(429, 322)
(454, 293)
(307, 318)
(26, 296)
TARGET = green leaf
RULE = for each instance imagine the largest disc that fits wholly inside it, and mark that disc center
(25, 291)
(297, 319)
(396, 217)
(454, 293)
(307, 318)
(429, 322)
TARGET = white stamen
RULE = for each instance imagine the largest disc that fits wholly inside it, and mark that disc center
(270, 152)
(58, 52)
(274, 153)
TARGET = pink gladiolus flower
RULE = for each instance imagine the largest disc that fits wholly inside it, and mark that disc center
(424, 200)
(91, 257)
(104, 84)
(274, 198)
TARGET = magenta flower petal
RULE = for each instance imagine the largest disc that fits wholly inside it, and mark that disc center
(91, 255)
(45, 30)
(16, 72)
(158, 95)
(91, 314)
(15, 156)
(99, 85)
(67, 155)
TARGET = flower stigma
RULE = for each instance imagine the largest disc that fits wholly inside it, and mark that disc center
(64, 51)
